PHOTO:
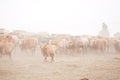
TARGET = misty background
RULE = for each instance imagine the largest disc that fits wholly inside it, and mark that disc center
(60, 16)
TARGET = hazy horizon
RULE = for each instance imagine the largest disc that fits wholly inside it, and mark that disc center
(60, 16)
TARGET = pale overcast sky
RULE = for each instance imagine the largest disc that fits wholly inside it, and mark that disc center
(60, 16)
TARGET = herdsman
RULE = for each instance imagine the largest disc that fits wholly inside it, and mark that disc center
(104, 32)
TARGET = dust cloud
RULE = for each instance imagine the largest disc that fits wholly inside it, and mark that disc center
(92, 65)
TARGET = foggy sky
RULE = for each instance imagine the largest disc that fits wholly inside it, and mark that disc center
(60, 16)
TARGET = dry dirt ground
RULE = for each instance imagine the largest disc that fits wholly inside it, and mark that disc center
(66, 67)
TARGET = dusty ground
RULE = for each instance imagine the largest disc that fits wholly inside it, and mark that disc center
(91, 66)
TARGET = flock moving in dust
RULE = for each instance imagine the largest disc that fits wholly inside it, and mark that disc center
(49, 45)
